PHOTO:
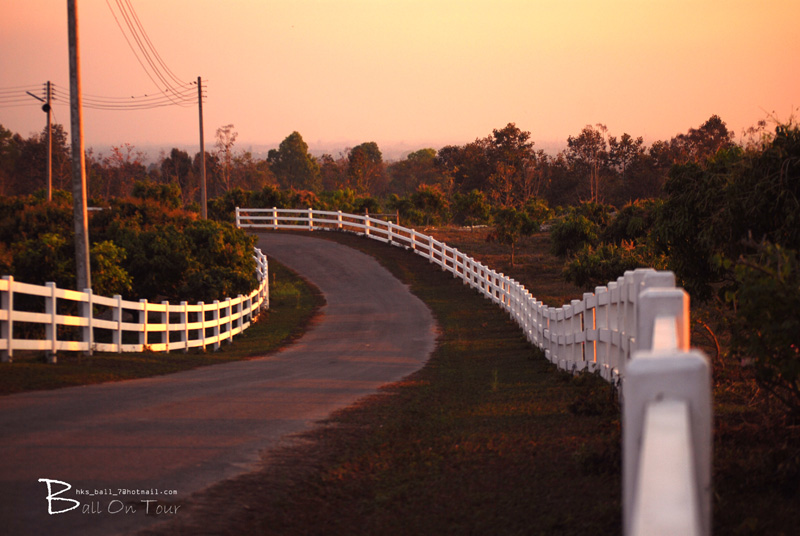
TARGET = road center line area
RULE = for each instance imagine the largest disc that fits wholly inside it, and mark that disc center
(117, 457)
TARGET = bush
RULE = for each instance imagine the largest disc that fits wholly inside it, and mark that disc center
(471, 209)
(632, 222)
(572, 233)
(767, 321)
(141, 248)
(595, 266)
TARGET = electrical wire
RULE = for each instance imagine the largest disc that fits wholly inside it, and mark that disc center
(18, 96)
(148, 55)
(141, 102)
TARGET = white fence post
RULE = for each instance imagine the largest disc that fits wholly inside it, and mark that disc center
(310, 219)
(7, 326)
(275, 217)
(663, 370)
(238, 221)
(202, 320)
(117, 316)
(165, 339)
(51, 328)
(215, 328)
(185, 321)
(143, 333)
(87, 311)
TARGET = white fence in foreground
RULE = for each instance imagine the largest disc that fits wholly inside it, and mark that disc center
(46, 318)
(633, 331)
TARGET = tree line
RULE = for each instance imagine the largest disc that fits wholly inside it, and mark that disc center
(503, 167)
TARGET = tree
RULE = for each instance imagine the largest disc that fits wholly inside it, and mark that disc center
(365, 168)
(9, 152)
(468, 167)
(624, 151)
(419, 167)
(30, 164)
(587, 153)
(699, 144)
(333, 172)
(510, 225)
(293, 166)
(114, 175)
(177, 168)
(250, 173)
(213, 172)
(226, 137)
(431, 201)
(472, 208)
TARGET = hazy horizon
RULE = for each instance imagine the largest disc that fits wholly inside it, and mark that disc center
(420, 73)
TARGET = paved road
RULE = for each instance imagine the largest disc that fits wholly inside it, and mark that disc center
(186, 431)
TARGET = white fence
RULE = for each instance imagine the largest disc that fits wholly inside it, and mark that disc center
(49, 319)
(634, 332)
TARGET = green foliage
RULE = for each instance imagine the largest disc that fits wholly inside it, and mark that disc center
(694, 225)
(510, 225)
(166, 194)
(224, 208)
(432, 203)
(593, 266)
(362, 205)
(23, 218)
(538, 211)
(109, 278)
(293, 166)
(471, 208)
(572, 233)
(142, 248)
(767, 323)
(632, 222)
(49, 257)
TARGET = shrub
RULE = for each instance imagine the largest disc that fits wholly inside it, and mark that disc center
(767, 322)
(594, 266)
(471, 208)
(572, 233)
(632, 222)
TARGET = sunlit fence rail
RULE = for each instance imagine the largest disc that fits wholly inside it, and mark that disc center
(50, 319)
(634, 332)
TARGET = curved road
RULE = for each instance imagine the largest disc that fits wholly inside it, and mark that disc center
(186, 431)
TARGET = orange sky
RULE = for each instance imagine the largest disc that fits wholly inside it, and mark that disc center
(417, 72)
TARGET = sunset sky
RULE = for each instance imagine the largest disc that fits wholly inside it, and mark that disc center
(415, 73)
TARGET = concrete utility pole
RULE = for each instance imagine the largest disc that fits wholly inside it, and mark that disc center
(80, 214)
(203, 198)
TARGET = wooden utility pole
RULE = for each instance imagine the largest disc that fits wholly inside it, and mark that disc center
(203, 197)
(80, 214)
(48, 108)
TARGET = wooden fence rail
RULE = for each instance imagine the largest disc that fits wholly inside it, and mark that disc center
(49, 319)
(634, 332)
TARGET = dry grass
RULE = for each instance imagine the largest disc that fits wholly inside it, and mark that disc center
(487, 438)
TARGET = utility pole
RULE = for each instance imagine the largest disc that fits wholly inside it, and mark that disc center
(80, 214)
(203, 197)
(47, 108)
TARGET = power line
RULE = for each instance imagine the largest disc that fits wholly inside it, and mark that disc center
(134, 102)
(153, 48)
(148, 55)
(18, 96)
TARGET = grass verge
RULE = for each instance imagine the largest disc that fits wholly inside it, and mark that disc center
(293, 303)
(487, 438)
